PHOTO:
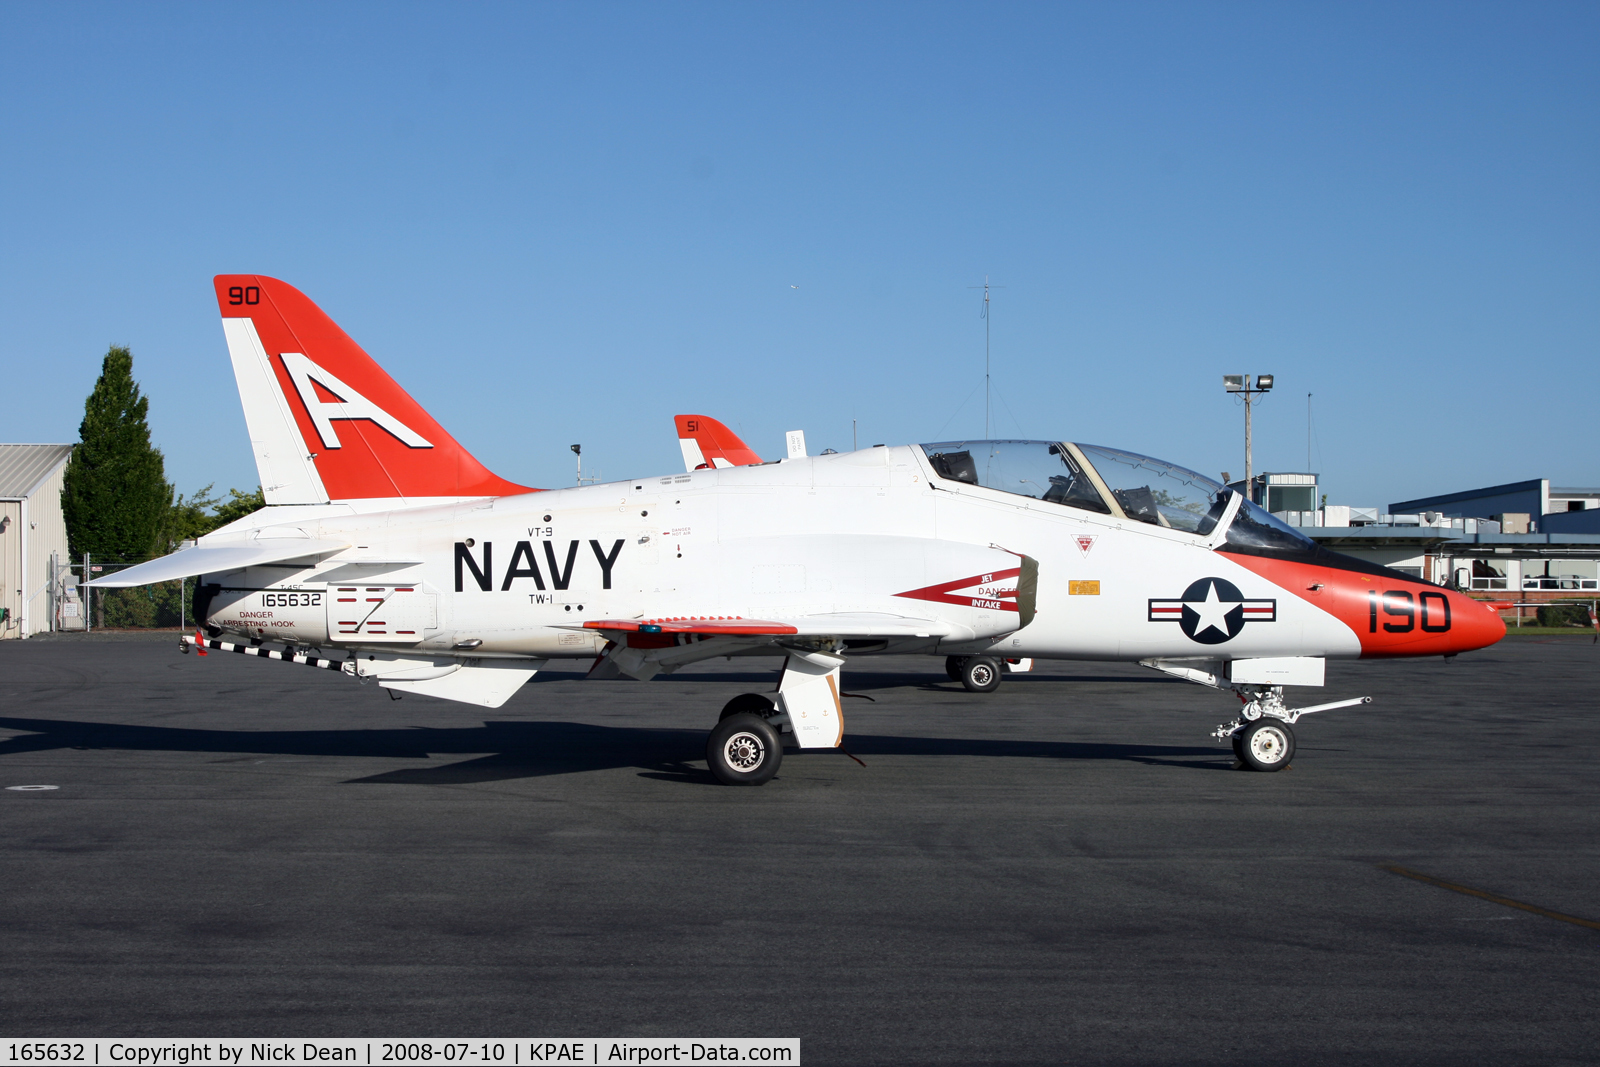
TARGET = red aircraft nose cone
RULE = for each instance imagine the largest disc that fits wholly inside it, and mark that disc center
(1390, 613)
(1400, 616)
(1481, 623)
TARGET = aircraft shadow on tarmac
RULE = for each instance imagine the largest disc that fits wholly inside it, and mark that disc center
(537, 749)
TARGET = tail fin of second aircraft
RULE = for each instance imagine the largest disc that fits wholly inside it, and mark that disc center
(708, 443)
(326, 422)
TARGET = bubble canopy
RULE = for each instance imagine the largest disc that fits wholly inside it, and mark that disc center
(1157, 492)
(1108, 480)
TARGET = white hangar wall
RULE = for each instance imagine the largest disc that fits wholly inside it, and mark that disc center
(33, 529)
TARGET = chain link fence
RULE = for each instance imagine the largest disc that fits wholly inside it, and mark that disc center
(77, 607)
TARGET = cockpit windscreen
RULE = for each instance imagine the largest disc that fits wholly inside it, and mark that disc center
(1256, 532)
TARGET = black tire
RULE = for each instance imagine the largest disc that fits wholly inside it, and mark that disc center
(1266, 745)
(953, 665)
(981, 674)
(754, 703)
(1238, 746)
(744, 749)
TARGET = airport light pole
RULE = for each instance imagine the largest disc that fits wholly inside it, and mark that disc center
(1242, 384)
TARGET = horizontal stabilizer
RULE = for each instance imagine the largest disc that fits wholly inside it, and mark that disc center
(188, 562)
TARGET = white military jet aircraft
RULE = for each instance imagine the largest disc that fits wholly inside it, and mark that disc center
(385, 540)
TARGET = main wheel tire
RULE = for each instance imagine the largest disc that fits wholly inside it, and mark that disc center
(953, 665)
(1266, 745)
(981, 674)
(744, 749)
(754, 703)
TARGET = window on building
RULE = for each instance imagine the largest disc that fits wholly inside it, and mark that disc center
(1560, 575)
(1291, 498)
(1488, 574)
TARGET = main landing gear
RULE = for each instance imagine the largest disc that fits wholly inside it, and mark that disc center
(746, 747)
(979, 674)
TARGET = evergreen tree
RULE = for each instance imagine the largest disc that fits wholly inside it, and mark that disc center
(115, 495)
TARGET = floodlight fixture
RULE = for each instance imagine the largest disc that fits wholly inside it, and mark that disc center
(1249, 389)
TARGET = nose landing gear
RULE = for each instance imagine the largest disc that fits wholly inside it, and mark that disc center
(1261, 735)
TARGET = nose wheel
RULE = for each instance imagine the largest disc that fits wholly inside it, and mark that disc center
(1265, 745)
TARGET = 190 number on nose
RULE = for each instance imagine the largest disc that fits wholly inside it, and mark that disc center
(1429, 611)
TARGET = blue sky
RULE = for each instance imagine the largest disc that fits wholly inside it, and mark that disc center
(566, 223)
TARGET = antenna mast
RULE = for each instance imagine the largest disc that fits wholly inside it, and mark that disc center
(985, 316)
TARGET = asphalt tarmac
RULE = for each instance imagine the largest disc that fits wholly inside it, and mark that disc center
(1066, 871)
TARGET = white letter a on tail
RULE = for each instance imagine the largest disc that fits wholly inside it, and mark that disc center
(351, 404)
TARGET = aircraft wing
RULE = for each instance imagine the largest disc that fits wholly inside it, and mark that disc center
(708, 443)
(708, 627)
(643, 648)
(188, 562)
(835, 624)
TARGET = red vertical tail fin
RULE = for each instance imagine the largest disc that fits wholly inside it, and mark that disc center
(708, 443)
(326, 422)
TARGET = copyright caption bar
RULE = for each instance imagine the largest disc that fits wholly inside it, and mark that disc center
(399, 1052)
